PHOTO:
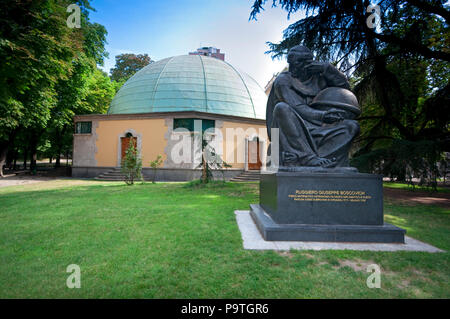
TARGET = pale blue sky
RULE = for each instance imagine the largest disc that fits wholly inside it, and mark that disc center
(175, 27)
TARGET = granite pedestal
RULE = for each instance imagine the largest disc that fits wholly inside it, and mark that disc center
(329, 206)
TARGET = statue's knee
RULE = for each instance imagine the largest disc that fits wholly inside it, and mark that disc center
(281, 108)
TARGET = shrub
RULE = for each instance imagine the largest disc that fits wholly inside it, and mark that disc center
(154, 165)
(131, 165)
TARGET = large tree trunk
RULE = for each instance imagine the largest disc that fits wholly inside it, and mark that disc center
(9, 159)
(33, 167)
(33, 151)
(34, 141)
(3, 154)
(387, 85)
(25, 157)
(33, 158)
(58, 160)
(4, 146)
(59, 147)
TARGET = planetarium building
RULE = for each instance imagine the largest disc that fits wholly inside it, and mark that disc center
(161, 108)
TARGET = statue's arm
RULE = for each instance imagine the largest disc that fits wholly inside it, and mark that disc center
(286, 93)
(334, 77)
(310, 114)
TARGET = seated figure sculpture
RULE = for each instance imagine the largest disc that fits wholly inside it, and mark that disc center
(314, 110)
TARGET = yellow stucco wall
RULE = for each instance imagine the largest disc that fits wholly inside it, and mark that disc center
(151, 133)
(242, 130)
(152, 138)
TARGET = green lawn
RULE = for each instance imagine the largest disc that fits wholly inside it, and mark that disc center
(174, 241)
(404, 186)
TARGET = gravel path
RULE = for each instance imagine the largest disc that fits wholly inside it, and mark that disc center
(13, 180)
(417, 197)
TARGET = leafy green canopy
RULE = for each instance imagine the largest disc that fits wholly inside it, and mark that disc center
(128, 64)
(338, 30)
(48, 73)
(35, 50)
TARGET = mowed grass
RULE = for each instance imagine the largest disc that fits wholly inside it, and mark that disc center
(409, 187)
(172, 240)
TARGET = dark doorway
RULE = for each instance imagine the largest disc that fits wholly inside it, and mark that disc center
(125, 143)
(254, 160)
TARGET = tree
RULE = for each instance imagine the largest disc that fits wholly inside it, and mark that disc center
(399, 70)
(205, 164)
(338, 30)
(100, 92)
(154, 165)
(70, 92)
(39, 80)
(88, 90)
(35, 50)
(77, 93)
(131, 165)
(408, 125)
(127, 65)
(210, 159)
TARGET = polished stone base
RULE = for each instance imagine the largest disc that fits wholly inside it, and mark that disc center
(252, 239)
(304, 197)
(271, 231)
(312, 169)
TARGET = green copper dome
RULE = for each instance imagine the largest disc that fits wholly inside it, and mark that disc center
(191, 83)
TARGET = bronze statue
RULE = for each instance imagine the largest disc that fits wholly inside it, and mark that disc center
(314, 110)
